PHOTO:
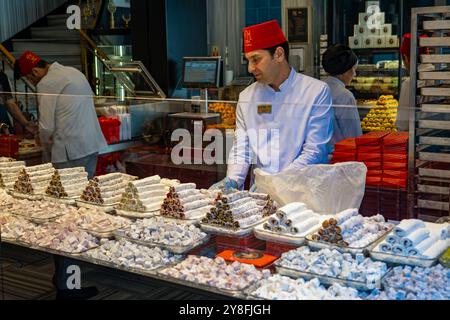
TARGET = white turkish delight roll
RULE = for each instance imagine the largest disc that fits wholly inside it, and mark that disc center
(274, 221)
(230, 198)
(37, 174)
(247, 222)
(70, 171)
(152, 194)
(299, 217)
(170, 182)
(259, 196)
(286, 211)
(246, 207)
(414, 238)
(119, 187)
(352, 222)
(12, 170)
(185, 186)
(111, 201)
(201, 212)
(109, 177)
(187, 193)
(305, 226)
(345, 215)
(147, 181)
(407, 226)
(41, 167)
(77, 176)
(399, 250)
(195, 205)
(187, 200)
(420, 248)
(151, 201)
(150, 188)
(249, 213)
(240, 202)
(436, 249)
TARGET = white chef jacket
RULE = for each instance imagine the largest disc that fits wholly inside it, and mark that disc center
(347, 123)
(67, 114)
(294, 134)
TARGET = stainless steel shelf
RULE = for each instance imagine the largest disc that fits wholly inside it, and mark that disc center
(434, 205)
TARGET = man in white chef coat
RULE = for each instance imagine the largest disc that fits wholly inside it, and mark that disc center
(284, 120)
(68, 123)
(69, 130)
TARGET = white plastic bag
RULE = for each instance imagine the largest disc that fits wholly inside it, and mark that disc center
(326, 189)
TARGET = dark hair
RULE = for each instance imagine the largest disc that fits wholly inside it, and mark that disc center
(18, 74)
(285, 47)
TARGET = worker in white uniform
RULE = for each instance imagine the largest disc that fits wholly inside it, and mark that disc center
(405, 105)
(68, 123)
(341, 63)
(284, 120)
(69, 128)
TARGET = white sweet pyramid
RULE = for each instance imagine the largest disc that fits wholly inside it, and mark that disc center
(144, 195)
(34, 180)
(67, 183)
(372, 31)
(9, 172)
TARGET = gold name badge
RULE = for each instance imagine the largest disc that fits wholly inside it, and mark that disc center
(265, 109)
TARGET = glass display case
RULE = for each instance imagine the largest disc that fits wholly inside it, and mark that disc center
(373, 30)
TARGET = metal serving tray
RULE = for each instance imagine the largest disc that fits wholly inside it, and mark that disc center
(137, 215)
(433, 189)
(231, 293)
(270, 236)
(393, 259)
(66, 201)
(239, 233)
(295, 274)
(107, 209)
(319, 245)
(121, 234)
(435, 107)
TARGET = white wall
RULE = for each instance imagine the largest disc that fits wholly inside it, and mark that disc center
(16, 15)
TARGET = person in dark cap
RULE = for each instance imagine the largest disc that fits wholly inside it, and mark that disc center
(340, 62)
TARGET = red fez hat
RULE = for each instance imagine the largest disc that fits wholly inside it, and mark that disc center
(263, 36)
(27, 62)
(406, 45)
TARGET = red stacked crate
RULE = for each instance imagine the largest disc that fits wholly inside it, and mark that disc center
(277, 249)
(9, 146)
(344, 151)
(370, 152)
(395, 160)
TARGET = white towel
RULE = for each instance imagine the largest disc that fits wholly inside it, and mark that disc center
(408, 226)
(386, 247)
(288, 210)
(393, 239)
(399, 250)
(301, 228)
(300, 217)
(415, 237)
(423, 246)
(436, 250)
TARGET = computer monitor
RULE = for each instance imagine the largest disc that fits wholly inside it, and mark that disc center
(202, 72)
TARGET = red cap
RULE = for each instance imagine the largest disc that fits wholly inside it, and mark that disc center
(28, 61)
(263, 36)
(406, 45)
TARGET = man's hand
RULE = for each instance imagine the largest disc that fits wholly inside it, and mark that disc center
(225, 184)
(31, 127)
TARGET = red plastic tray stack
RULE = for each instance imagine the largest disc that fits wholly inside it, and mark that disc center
(395, 160)
(277, 249)
(234, 243)
(370, 152)
(384, 154)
